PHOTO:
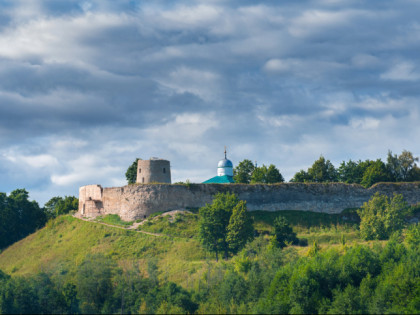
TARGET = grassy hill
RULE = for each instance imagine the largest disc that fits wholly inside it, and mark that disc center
(339, 276)
(64, 243)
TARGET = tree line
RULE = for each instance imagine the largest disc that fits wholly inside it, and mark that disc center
(98, 286)
(20, 217)
(398, 168)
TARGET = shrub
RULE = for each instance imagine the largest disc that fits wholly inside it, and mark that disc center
(283, 232)
(381, 216)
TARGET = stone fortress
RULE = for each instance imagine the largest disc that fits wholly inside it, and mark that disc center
(153, 192)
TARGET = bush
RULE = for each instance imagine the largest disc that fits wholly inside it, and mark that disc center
(283, 233)
(381, 216)
(412, 236)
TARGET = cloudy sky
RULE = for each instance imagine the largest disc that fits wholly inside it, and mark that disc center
(88, 86)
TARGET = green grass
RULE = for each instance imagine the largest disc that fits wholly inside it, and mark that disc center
(65, 242)
(114, 219)
(45, 250)
(183, 225)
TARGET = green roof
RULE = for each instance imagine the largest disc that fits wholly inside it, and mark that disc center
(225, 179)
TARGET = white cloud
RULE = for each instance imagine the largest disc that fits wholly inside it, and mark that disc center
(403, 71)
(57, 39)
(315, 21)
(32, 161)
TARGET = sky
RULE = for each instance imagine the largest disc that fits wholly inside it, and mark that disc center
(88, 86)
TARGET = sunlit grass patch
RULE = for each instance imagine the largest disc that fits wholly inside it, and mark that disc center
(114, 219)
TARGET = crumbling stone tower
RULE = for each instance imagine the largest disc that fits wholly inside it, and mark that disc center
(154, 170)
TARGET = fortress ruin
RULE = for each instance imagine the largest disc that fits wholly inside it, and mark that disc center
(154, 192)
(138, 201)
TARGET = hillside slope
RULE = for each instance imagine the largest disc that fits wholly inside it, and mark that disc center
(64, 243)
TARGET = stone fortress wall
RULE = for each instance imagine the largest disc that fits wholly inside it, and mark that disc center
(140, 200)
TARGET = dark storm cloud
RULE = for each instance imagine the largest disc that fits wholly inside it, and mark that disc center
(86, 86)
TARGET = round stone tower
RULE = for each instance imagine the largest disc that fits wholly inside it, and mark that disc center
(154, 170)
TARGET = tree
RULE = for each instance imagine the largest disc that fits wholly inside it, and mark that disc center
(259, 175)
(401, 167)
(131, 174)
(322, 171)
(351, 172)
(214, 220)
(266, 175)
(283, 232)
(94, 283)
(300, 177)
(273, 175)
(18, 216)
(243, 172)
(240, 228)
(58, 205)
(381, 216)
(412, 236)
(375, 173)
(414, 174)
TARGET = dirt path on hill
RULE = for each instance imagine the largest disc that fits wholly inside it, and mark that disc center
(132, 227)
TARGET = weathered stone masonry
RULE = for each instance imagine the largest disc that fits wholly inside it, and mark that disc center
(138, 201)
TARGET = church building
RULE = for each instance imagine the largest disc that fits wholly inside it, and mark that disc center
(224, 173)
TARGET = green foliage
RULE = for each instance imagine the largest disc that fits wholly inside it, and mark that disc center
(347, 301)
(273, 175)
(321, 171)
(314, 249)
(403, 167)
(94, 282)
(351, 172)
(240, 229)
(266, 175)
(259, 175)
(301, 177)
(214, 220)
(131, 174)
(381, 216)
(375, 173)
(58, 206)
(246, 172)
(412, 236)
(283, 232)
(243, 172)
(366, 173)
(18, 217)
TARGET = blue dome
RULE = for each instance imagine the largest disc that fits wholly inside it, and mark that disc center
(225, 163)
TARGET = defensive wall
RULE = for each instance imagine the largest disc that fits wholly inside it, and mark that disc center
(140, 200)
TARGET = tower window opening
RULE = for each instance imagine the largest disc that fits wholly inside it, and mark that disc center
(164, 170)
(139, 170)
(142, 180)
